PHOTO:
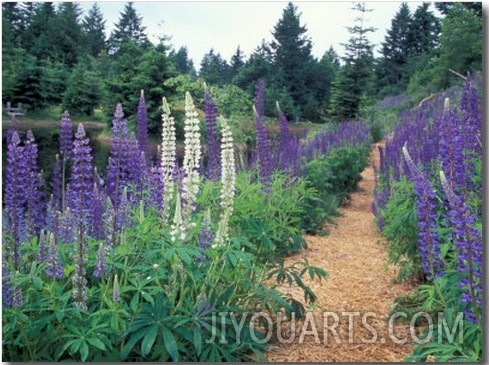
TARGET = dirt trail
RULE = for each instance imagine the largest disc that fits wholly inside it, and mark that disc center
(359, 280)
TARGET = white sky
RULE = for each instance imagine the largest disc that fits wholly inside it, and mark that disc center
(224, 25)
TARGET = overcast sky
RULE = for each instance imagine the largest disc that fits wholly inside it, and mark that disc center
(224, 25)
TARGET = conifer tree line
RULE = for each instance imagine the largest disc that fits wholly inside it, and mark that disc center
(53, 54)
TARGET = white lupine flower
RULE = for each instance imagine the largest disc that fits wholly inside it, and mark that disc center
(191, 160)
(168, 158)
(228, 181)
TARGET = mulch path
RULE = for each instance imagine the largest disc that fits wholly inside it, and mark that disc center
(359, 280)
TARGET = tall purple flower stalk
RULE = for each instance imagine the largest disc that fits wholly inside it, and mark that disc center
(288, 147)
(117, 170)
(468, 242)
(80, 191)
(212, 151)
(81, 180)
(34, 193)
(263, 148)
(428, 238)
(142, 125)
(65, 150)
(451, 146)
(156, 187)
(16, 185)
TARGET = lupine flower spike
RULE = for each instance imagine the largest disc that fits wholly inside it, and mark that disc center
(168, 160)
(191, 160)
(228, 181)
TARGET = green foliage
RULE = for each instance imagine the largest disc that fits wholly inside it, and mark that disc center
(170, 299)
(355, 77)
(270, 218)
(85, 91)
(334, 177)
(400, 228)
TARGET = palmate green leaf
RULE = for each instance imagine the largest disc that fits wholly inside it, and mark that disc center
(197, 341)
(84, 351)
(170, 343)
(148, 340)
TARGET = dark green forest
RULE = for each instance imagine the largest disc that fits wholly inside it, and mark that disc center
(56, 56)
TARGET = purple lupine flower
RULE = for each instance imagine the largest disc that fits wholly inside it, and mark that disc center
(7, 290)
(212, 139)
(80, 191)
(66, 225)
(137, 170)
(428, 238)
(263, 149)
(34, 193)
(66, 136)
(451, 146)
(468, 242)
(81, 181)
(156, 187)
(118, 169)
(16, 184)
(205, 238)
(54, 267)
(288, 150)
(101, 264)
(142, 125)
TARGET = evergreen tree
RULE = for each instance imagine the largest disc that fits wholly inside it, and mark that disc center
(355, 79)
(214, 69)
(260, 66)
(38, 37)
(425, 30)
(94, 30)
(66, 33)
(181, 61)
(292, 58)
(237, 61)
(396, 49)
(85, 90)
(129, 28)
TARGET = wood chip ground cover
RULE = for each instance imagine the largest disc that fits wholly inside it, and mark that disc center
(360, 280)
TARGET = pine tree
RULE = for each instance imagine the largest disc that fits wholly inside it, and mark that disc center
(181, 61)
(128, 28)
(396, 50)
(94, 30)
(67, 34)
(237, 61)
(355, 79)
(214, 69)
(292, 57)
